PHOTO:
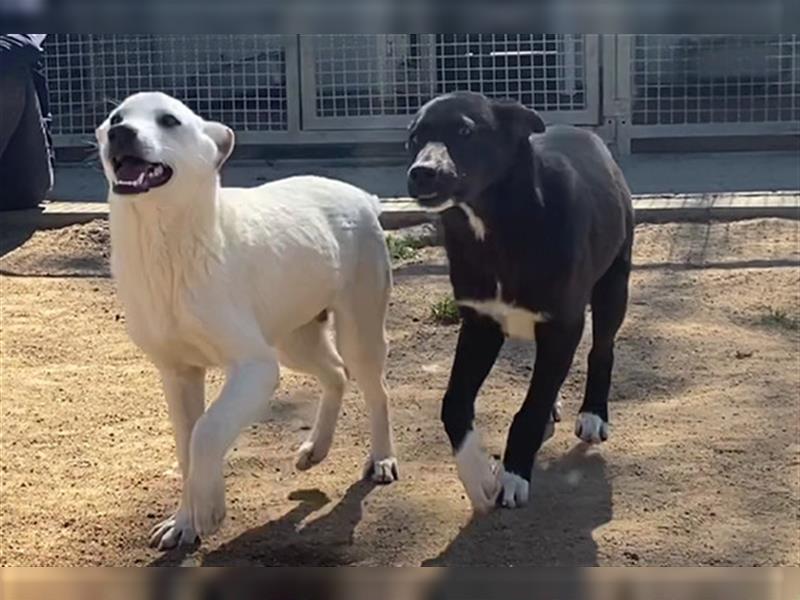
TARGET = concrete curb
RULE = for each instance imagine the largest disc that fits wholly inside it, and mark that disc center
(404, 212)
(662, 208)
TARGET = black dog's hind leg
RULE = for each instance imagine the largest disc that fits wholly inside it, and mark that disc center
(609, 303)
(556, 343)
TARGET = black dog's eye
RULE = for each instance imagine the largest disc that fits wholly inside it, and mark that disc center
(168, 120)
(115, 119)
(465, 131)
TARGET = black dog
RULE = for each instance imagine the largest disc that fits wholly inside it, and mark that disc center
(537, 225)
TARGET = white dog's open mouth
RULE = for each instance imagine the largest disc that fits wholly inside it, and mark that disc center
(136, 176)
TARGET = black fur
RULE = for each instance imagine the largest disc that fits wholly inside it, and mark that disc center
(559, 230)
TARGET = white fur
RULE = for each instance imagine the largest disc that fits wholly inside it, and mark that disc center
(468, 122)
(435, 156)
(590, 428)
(515, 490)
(475, 222)
(516, 322)
(213, 276)
(481, 479)
(447, 204)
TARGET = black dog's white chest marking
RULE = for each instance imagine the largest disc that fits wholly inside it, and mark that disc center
(475, 222)
(515, 321)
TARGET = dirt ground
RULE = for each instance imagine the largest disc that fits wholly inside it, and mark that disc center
(702, 468)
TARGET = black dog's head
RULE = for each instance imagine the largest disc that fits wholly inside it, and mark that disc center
(461, 143)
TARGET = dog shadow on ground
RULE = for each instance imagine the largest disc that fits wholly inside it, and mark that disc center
(326, 541)
(571, 496)
(12, 238)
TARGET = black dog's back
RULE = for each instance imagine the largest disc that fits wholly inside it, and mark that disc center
(600, 178)
(578, 168)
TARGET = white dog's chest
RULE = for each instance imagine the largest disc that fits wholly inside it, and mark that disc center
(168, 331)
(161, 312)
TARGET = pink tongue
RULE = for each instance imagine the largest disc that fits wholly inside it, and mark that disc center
(130, 170)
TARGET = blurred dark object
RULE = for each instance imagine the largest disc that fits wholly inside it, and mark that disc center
(26, 156)
(509, 584)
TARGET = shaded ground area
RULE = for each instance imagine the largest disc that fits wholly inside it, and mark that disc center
(703, 466)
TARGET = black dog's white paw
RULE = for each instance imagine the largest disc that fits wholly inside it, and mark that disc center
(556, 414)
(590, 428)
(516, 490)
(479, 474)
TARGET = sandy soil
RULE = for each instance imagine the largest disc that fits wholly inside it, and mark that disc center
(703, 466)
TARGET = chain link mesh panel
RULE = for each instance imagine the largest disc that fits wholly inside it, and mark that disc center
(682, 79)
(375, 75)
(237, 79)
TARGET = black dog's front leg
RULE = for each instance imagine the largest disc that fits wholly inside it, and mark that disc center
(555, 348)
(479, 343)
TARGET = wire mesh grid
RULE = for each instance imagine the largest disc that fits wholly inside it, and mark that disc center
(544, 71)
(679, 79)
(371, 75)
(374, 75)
(237, 79)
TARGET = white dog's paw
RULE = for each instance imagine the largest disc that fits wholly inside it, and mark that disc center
(481, 478)
(309, 455)
(382, 471)
(591, 428)
(516, 490)
(172, 532)
(208, 505)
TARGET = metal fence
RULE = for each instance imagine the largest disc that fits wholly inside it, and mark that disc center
(708, 85)
(369, 81)
(350, 88)
(238, 79)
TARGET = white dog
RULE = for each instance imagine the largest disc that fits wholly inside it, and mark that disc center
(245, 279)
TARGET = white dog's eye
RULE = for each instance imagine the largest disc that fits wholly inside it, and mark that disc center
(115, 119)
(167, 120)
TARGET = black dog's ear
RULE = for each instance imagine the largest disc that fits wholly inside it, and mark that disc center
(518, 122)
(517, 118)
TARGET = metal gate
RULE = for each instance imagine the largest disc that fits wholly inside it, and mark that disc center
(378, 81)
(238, 79)
(671, 86)
(354, 88)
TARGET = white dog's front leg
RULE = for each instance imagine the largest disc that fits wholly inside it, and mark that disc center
(247, 388)
(185, 394)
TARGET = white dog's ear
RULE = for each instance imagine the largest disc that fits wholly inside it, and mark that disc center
(224, 139)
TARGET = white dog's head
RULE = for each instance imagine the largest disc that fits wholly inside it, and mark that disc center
(153, 142)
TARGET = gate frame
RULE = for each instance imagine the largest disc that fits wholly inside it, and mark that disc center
(590, 115)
